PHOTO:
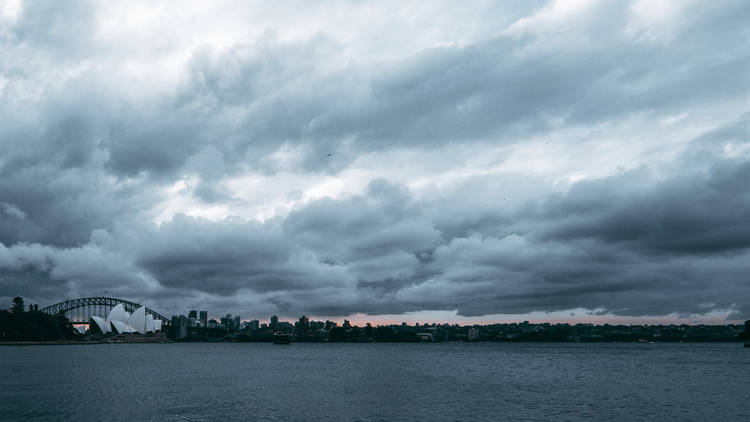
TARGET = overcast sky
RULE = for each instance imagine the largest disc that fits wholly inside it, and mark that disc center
(383, 161)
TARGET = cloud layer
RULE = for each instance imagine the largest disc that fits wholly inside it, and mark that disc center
(378, 158)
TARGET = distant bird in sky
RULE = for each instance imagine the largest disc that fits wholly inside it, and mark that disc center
(330, 154)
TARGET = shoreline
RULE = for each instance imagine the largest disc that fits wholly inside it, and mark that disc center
(74, 343)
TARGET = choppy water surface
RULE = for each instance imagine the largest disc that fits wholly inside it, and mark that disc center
(372, 382)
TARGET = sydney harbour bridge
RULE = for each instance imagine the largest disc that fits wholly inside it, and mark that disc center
(79, 311)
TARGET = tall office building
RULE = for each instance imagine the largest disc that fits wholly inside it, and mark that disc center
(193, 314)
(304, 323)
(204, 319)
(274, 322)
(183, 327)
(227, 322)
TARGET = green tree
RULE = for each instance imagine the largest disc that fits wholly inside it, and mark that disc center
(745, 335)
(33, 325)
(18, 304)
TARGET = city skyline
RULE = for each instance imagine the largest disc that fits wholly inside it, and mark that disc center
(452, 318)
(386, 162)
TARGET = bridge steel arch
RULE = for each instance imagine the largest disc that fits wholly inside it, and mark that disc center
(83, 302)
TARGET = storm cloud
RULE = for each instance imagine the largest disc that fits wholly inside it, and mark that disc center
(379, 158)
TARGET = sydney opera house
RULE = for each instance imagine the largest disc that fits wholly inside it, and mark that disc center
(119, 321)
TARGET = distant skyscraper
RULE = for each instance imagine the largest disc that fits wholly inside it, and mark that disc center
(236, 325)
(183, 327)
(204, 319)
(193, 314)
(303, 323)
(274, 321)
(227, 322)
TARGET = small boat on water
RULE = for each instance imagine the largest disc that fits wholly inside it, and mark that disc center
(280, 337)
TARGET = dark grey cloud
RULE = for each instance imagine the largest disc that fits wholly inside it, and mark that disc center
(381, 252)
(679, 246)
(695, 214)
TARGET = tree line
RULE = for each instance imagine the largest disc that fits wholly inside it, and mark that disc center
(18, 324)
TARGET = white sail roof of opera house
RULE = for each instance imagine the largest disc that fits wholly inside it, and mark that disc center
(102, 324)
(138, 320)
(121, 322)
(118, 313)
(122, 327)
(150, 325)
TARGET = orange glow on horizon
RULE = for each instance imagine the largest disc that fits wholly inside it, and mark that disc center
(443, 317)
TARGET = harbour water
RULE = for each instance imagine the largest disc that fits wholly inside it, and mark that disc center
(375, 382)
